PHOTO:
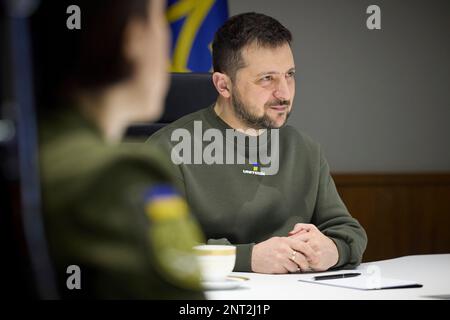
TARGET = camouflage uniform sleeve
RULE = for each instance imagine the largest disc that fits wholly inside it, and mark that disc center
(133, 236)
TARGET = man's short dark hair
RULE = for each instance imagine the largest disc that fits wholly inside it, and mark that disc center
(242, 30)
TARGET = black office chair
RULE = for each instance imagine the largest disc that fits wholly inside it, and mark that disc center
(188, 92)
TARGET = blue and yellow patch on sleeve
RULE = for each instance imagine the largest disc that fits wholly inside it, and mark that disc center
(172, 234)
(162, 202)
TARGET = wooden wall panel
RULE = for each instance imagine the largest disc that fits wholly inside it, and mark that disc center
(403, 214)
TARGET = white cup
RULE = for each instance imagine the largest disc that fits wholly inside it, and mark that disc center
(216, 261)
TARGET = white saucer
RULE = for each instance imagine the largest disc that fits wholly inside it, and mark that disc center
(228, 283)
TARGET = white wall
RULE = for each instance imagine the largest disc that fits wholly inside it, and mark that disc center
(375, 100)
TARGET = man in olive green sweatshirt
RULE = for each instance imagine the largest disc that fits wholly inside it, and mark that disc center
(281, 211)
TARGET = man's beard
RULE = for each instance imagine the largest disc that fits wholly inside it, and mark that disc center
(253, 121)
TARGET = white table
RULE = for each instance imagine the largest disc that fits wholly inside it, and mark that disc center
(433, 271)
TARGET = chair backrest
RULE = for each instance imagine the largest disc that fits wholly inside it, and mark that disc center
(188, 92)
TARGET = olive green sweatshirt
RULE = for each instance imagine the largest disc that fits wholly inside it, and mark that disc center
(240, 204)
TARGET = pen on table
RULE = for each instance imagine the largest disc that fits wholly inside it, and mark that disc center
(239, 277)
(337, 276)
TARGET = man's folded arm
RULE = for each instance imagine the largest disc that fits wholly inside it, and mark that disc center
(333, 219)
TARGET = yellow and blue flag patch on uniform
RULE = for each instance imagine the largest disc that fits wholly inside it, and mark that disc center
(162, 203)
(193, 24)
(172, 234)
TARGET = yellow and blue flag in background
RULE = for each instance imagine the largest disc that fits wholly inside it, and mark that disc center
(193, 24)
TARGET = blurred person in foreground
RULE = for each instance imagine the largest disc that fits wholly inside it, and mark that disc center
(109, 208)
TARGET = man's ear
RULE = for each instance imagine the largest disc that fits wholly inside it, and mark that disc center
(222, 83)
